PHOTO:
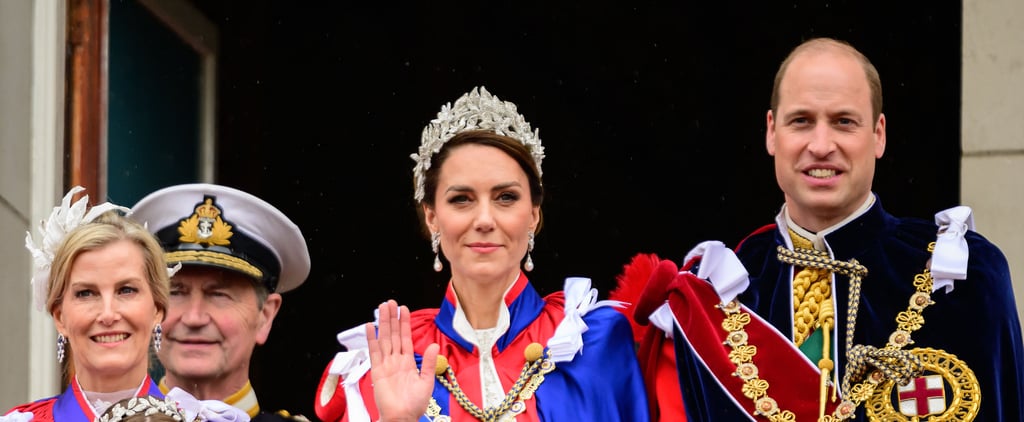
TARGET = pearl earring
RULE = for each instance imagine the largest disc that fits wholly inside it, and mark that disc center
(528, 266)
(435, 243)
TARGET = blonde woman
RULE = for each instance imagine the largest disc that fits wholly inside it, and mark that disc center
(103, 279)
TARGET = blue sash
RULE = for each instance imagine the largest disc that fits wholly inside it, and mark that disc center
(71, 406)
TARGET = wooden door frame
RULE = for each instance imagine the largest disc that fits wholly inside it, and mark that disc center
(86, 76)
(86, 103)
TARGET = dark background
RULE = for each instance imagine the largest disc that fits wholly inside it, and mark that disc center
(652, 116)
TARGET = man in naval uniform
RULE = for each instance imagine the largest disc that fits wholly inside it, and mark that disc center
(237, 255)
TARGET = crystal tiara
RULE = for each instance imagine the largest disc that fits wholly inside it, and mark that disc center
(475, 110)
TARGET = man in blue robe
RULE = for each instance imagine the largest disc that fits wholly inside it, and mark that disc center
(838, 308)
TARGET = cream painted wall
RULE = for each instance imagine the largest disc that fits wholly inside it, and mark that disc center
(31, 136)
(15, 92)
(992, 169)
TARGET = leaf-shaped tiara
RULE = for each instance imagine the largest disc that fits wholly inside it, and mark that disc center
(477, 109)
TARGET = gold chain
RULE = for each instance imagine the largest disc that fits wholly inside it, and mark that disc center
(889, 362)
(529, 380)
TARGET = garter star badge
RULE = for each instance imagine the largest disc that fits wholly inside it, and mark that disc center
(947, 390)
(923, 396)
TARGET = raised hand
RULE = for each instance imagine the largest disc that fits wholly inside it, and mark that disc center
(401, 390)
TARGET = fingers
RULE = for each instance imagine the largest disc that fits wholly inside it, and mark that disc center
(429, 363)
(392, 336)
(405, 326)
(384, 327)
(374, 345)
(395, 331)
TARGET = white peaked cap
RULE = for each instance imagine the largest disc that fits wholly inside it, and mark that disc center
(214, 225)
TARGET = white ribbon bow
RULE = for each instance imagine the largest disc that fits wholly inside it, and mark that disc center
(720, 266)
(351, 365)
(579, 299)
(663, 319)
(206, 410)
(949, 260)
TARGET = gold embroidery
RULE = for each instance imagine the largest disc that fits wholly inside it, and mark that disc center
(214, 258)
(205, 226)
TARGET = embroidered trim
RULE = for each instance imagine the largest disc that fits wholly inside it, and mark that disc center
(214, 258)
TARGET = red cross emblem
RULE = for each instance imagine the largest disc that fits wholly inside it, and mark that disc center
(923, 396)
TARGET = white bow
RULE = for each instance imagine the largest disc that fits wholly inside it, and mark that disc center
(206, 410)
(579, 299)
(949, 260)
(720, 266)
(663, 319)
(351, 365)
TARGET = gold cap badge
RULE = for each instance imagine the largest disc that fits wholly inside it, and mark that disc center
(205, 226)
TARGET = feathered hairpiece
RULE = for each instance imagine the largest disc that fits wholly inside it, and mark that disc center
(62, 221)
(477, 109)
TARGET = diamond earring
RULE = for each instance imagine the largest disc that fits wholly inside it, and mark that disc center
(60, 347)
(158, 333)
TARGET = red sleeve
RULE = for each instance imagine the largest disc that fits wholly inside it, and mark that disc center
(42, 410)
(658, 362)
(330, 402)
(330, 397)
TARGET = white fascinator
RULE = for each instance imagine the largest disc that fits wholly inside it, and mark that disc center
(52, 231)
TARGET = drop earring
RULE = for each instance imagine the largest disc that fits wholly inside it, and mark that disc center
(528, 266)
(435, 243)
(158, 333)
(60, 347)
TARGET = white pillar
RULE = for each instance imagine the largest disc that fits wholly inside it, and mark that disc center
(992, 118)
